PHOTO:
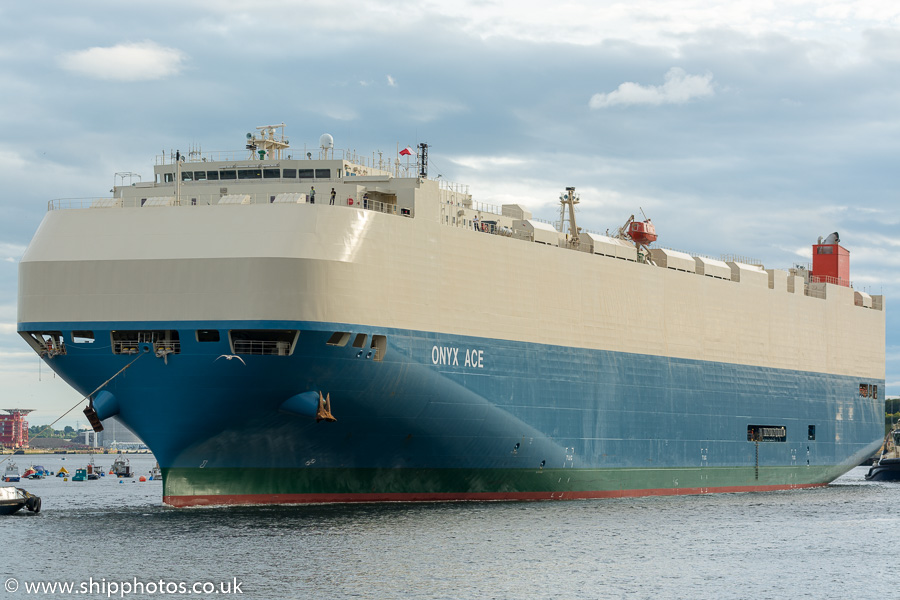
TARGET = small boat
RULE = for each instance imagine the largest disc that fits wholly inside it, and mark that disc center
(80, 475)
(11, 474)
(93, 471)
(13, 499)
(121, 467)
(62, 472)
(887, 467)
(155, 473)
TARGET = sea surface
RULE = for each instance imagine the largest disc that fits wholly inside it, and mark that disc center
(111, 539)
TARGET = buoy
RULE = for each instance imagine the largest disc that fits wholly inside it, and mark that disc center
(142, 478)
(120, 481)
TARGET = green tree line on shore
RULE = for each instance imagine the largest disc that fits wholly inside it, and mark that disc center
(891, 412)
(45, 432)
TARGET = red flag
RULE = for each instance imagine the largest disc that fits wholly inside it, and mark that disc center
(406, 151)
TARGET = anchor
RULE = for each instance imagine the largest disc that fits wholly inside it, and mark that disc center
(92, 417)
(323, 413)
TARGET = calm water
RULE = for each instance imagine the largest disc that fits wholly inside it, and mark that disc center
(832, 542)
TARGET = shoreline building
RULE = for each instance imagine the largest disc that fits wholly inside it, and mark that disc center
(14, 428)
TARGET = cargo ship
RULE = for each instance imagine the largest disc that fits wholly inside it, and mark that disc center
(293, 326)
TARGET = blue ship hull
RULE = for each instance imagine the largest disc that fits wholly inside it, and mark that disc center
(444, 417)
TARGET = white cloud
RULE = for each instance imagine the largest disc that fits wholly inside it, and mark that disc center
(678, 88)
(487, 163)
(11, 252)
(391, 81)
(126, 62)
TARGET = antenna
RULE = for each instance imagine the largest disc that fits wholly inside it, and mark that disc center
(422, 160)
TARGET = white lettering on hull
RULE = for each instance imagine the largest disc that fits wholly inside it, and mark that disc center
(449, 356)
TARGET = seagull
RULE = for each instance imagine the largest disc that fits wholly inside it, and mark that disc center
(230, 356)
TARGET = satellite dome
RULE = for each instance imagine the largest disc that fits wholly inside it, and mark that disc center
(326, 142)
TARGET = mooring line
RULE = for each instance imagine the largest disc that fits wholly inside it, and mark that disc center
(99, 387)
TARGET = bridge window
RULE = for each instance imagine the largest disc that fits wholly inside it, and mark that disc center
(323, 173)
(306, 173)
(289, 173)
(212, 175)
(228, 174)
(249, 173)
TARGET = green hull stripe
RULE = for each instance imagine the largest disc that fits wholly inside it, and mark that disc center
(235, 482)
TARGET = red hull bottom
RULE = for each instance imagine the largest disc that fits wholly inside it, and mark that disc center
(249, 499)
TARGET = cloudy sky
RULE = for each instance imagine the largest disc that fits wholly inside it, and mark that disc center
(740, 127)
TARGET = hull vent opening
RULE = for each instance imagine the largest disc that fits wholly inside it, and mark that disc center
(766, 433)
(161, 341)
(45, 343)
(339, 338)
(207, 335)
(379, 345)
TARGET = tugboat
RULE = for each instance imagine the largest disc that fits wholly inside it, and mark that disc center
(887, 467)
(13, 499)
(155, 473)
(11, 474)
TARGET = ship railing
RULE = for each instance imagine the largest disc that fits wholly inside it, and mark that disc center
(358, 200)
(67, 203)
(829, 279)
(133, 346)
(262, 347)
(377, 161)
(744, 260)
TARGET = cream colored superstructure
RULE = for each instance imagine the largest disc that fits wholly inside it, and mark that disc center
(413, 260)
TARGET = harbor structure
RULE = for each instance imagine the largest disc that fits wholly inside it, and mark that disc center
(14, 428)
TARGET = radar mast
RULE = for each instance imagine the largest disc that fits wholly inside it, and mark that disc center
(569, 199)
